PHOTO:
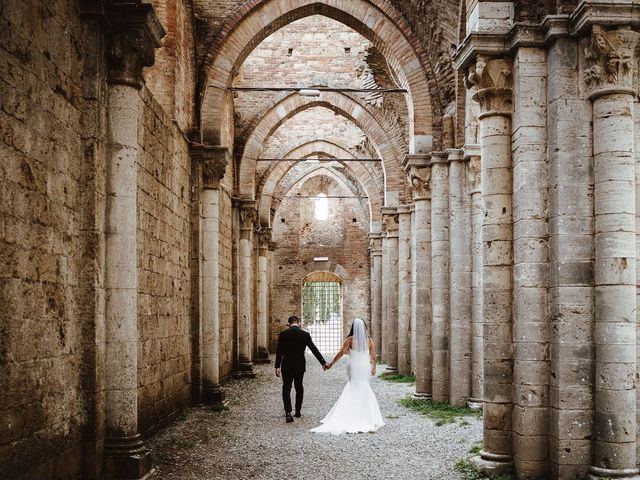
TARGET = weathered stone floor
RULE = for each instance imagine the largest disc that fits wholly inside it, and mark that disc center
(252, 441)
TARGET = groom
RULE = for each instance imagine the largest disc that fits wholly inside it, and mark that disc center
(292, 343)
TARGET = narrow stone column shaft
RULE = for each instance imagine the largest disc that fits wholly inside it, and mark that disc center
(263, 298)
(391, 285)
(460, 281)
(245, 288)
(414, 341)
(477, 355)
(376, 291)
(384, 304)
(132, 36)
(404, 290)
(615, 255)
(214, 161)
(419, 172)
(440, 277)
(121, 279)
(493, 79)
(531, 266)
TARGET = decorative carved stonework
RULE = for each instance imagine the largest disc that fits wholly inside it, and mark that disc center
(248, 215)
(610, 59)
(214, 162)
(264, 239)
(494, 80)
(133, 34)
(390, 221)
(418, 169)
(473, 173)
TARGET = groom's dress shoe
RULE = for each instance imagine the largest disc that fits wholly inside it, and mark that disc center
(289, 418)
(297, 415)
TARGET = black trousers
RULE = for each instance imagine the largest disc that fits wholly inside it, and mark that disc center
(289, 378)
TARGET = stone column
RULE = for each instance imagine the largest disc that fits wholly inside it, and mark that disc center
(263, 297)
(531, 265)
(390, 284)
(384, 304)
(132, 37)
(609, 71)
(493, 79)
(440, 276)
(472, 154)
(375, 242)
(459, 281)
(571, 253)
(419, 171)
(404, 290)
(214, 161)
(413, 290)
(248, 216)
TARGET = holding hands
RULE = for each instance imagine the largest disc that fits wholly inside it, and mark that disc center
(327, 366)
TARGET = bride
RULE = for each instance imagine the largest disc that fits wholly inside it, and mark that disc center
(357, 408)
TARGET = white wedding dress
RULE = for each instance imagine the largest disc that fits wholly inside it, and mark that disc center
(357, 409)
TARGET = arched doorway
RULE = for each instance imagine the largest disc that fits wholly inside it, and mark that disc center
(322, 310)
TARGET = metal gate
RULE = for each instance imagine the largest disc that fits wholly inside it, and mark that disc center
(322, 315)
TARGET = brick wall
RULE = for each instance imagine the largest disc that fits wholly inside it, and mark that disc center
(300, 238)
(48, 240)
(317, 51)
(172, 78)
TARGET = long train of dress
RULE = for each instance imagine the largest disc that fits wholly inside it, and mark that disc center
(357, 410)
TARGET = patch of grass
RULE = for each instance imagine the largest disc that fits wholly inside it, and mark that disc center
(393, 417)
(397, 378)
(464, 423)
(475, 450)
(469, 472)
(440, 412)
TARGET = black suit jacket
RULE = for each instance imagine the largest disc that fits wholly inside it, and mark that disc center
(292, 343)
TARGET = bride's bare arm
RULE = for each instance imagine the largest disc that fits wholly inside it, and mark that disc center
(345, 348)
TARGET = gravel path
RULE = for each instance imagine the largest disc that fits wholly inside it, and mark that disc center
(252, 441)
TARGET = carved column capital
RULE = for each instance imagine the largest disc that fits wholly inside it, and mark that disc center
(133, 34)
(494, 81)
(390, 221)
(248, 215)
(214, 162)
(418, 169)
(611, 59)
(264, 241)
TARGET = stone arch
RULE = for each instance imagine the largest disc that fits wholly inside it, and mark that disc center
(342, 104)
(305, 175)
(376, 20)
(270, 182)
(326, 266)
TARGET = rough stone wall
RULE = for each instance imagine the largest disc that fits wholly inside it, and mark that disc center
(164, 300)
(227, 313)
(300, 238)
(49, 242)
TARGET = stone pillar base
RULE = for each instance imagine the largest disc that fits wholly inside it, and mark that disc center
(245, 370)
(493, 463)
(422, 396)
(196, 395)
(474, 404)
(263, 358)
(597, 473)
(126, 458)
(214, 395)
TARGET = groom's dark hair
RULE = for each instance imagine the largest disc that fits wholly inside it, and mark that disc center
(293, 319)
